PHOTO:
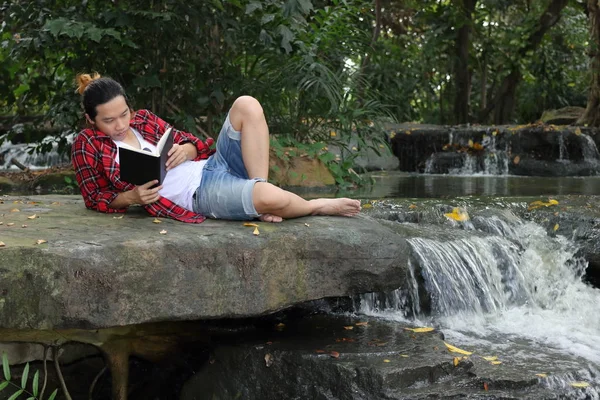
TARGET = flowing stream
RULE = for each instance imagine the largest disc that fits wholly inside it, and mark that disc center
(504, 287)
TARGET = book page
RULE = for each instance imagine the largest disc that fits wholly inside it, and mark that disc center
(163, 140)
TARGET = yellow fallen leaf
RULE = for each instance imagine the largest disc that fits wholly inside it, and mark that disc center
(2, 244)
(32, 216)
(470, 143)
(163, 232)
(386, 361)
(10, 224)
(349, 328)
(541, 375)
(15, 210)
(420, 330)
(458, 215)
(332, 134)
(516, 160)
(580, 384)
(1, 222)
(55, 203)
(361, 323)
(23, 226)
(496, 362)
(404, 355)
(280, 326)
(368, 205)
(577, 131)
(41, 241)
(412, 206)
(555, 227)
(456, 361)
(495, 133)
(491, 358)
(454, 349)
(537, 204)
(307, 225)
(256, 232)
(119, 217)
(156, 221)
(250, 224)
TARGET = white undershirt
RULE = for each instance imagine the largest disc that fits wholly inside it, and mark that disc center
(181, 182)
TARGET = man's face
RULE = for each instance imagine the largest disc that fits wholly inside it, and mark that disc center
(113, 118)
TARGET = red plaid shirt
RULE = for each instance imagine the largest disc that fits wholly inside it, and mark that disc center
(93, 155)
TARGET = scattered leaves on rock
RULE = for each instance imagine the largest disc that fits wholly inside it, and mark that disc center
(420, 330)
(537, 204)
(458, 215)
(454, 349)
(580, 384)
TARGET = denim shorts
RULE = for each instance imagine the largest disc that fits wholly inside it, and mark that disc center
(225, 191)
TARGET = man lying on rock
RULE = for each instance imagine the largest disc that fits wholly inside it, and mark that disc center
(229, 183)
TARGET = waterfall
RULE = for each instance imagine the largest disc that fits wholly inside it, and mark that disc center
(589, 149)
(26, 154)
(508, 278)
(562, 148)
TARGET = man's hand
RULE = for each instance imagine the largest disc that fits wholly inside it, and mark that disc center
(180, 154)
(145, 194)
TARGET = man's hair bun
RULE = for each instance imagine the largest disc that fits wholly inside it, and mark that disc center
(83, 80)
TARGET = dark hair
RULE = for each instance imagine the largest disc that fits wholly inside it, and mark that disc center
(96, 91)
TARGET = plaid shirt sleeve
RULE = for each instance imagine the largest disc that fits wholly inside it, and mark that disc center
(155, 126)
(95, 187)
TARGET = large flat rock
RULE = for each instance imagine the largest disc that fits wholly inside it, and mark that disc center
(98, 270)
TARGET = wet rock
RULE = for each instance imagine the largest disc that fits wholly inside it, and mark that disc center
(533, 150)
(329, 357)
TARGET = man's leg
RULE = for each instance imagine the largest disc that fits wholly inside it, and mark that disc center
(246, 116)
(270, 199)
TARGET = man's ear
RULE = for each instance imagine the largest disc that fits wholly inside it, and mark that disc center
(88, 119)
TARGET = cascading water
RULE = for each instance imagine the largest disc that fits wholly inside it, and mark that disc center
(506, 286)
(26, 155)
(589, 150)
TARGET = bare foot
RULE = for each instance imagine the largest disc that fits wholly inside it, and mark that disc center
(343, 207)
(270, 218)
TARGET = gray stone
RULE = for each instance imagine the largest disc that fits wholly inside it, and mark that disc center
(100, 270)
(321, 358)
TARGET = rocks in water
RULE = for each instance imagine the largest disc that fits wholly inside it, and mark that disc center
(337, 357)
(532, 150)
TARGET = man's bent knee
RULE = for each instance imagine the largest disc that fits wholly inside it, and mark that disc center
(268, 198)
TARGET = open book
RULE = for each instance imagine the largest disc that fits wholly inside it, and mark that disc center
(139, 166)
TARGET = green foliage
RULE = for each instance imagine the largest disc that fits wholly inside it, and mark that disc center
(21, 388)
(315, 66)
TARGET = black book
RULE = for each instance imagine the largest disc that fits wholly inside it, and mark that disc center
(139, 166)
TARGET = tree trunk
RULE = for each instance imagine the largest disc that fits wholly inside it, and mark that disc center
(462, 72)
(591, 116)
(367, 59)
(504, 101)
